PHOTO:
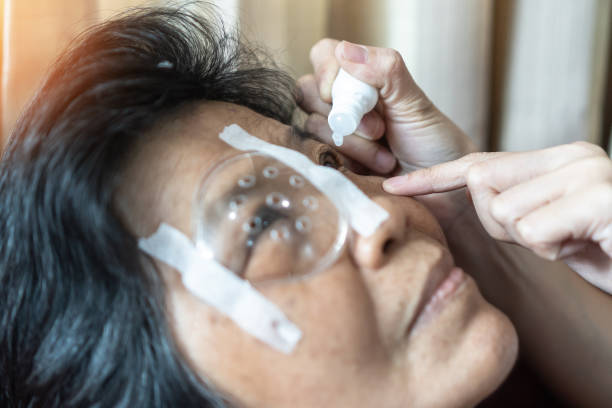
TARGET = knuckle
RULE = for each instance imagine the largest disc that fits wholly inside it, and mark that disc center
(606, 194)
(589, 148)
(319, 48)
(589, 170)
(527, 233)
(499, 210)
(476, 176)
(602, 166)
(604, 162)
(394, 63)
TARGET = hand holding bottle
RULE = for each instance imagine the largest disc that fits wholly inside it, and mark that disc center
(417, 133)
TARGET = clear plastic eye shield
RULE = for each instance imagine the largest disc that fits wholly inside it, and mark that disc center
(268, 215)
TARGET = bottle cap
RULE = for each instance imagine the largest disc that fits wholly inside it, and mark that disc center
(343, 121)
(351, 99)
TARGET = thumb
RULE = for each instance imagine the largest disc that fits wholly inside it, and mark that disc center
(384, 69)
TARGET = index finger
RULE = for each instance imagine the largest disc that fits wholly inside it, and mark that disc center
(325, 66)
(436, 179)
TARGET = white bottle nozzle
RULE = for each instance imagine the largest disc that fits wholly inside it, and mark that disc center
(343, 124)
(338, 138)
(351, 99)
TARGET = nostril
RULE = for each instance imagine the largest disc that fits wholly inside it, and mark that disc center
(387, 245)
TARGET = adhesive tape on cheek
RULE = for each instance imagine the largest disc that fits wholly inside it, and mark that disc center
(222, 289)
(363, 214)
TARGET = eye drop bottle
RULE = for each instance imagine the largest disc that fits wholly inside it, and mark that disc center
(351, 99)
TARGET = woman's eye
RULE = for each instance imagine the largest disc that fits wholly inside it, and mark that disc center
(254, 228)
(329, 159)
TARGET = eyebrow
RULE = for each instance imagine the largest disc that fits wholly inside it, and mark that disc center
(299, 135)
(296, 136)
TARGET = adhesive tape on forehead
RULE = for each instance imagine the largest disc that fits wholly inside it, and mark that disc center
(264, 221)
(222, 289)
(363, 215)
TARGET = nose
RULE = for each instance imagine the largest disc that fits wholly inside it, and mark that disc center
(373, 251)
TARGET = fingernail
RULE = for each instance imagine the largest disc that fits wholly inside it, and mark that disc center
(385, 161)
(392, 184)
(354, 53)
(359, 132)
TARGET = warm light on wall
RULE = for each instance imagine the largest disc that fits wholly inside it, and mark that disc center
(32, 34)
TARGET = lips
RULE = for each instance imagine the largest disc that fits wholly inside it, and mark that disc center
(442, 283)
(445, 291)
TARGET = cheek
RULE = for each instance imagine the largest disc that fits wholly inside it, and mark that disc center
(340, 338)
(421, 219)
(334, 310)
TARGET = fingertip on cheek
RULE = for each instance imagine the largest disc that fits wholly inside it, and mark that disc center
(394, 184)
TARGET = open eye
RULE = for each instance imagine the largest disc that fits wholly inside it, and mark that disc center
(329, 158)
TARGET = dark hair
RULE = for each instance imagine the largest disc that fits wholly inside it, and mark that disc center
(82, 319)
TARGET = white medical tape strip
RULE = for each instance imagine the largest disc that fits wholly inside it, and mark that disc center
(222, 289)
(363, 214)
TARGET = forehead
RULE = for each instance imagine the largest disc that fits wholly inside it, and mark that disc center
(162, 174)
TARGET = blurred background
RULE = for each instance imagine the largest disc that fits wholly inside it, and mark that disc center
(514, 74)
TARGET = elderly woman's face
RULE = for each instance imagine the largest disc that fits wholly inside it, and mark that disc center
(389, 324)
